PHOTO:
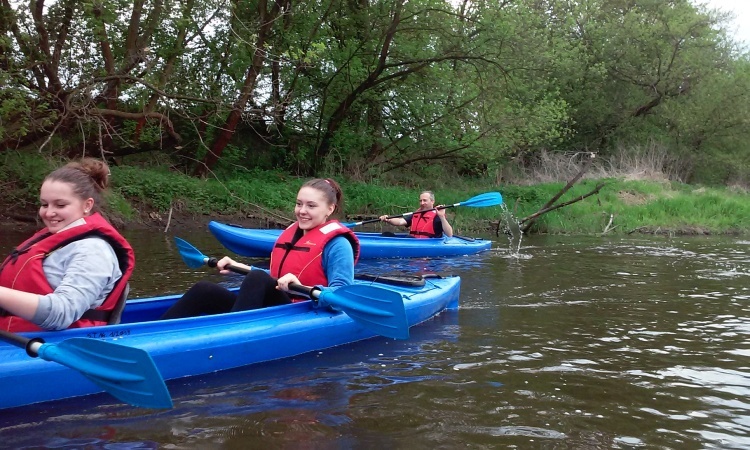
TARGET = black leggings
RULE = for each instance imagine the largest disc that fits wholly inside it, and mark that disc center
(258, 290)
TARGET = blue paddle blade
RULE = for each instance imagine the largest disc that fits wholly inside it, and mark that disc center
(129, 374)
(484, 200)
(192, 257)
(379, 310)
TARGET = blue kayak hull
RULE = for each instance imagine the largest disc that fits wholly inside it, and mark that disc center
(258, 243)
(199, 345)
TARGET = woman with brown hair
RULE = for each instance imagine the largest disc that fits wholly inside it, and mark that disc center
(72, 273)
(313, 251)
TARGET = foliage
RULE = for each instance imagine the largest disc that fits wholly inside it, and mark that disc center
(649, 206)
(21, 176)
(384, 90)
(159, 189)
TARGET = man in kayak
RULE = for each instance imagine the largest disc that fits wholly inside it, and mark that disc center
(313, 251)
(74, 272)
(428, 221)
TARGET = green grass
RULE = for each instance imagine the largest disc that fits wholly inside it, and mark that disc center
(645, 205)
(632, 205)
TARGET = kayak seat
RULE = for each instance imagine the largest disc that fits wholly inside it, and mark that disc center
(116, 314)
(112, 317)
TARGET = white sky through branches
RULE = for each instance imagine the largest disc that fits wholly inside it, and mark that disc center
(739, 28)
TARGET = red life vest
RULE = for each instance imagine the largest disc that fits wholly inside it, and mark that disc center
(423, 224)
(304, 258)
(23, 270)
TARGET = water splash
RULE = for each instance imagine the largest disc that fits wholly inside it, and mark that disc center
(511, 228)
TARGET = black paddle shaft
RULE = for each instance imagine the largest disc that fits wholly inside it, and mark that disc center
(21, 341)
(309, 291)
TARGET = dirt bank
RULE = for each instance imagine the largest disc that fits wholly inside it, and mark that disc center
(146, 221)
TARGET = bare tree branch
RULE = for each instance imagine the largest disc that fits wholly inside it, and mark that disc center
(529, 220)
(547, 207)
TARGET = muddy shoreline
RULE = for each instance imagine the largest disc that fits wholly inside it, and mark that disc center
(151, 221)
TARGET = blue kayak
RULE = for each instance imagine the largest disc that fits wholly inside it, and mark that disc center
(258, 243)
(200, 345)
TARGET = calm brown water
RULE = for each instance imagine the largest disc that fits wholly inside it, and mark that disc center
(578, 343)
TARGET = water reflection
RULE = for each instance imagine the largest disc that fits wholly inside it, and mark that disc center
(634, 342)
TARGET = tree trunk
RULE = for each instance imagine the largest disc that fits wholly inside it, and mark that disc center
(267, 20)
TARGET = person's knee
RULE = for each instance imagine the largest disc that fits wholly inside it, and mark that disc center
(203, 288)
(258, 278)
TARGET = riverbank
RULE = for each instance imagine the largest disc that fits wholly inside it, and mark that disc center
(147, 219)
(157, 198)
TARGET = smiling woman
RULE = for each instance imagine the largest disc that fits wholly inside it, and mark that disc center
(313, 251)
(59, 207)
(74, 272)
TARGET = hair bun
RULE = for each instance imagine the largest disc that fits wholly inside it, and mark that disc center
(97, 169)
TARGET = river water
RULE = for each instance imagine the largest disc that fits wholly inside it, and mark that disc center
(574, 343)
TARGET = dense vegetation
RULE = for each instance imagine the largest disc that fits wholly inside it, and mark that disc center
(624, 205)
(383, 91)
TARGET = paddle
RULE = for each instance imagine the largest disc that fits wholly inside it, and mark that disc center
(377, 309)
(479, 201)
(128, 373)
